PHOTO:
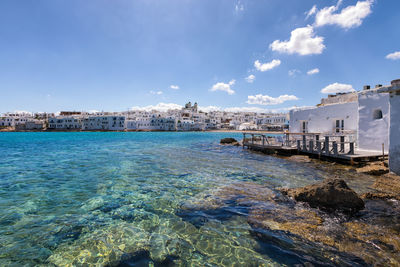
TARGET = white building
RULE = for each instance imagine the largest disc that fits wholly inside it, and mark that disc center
(374, 118)
(65, 123)
(364, 114)
(325, 119)
(394, 141)
(107, 123)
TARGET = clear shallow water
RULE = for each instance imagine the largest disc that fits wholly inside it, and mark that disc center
(81, 199)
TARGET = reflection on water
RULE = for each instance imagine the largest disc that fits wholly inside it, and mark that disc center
(138, 199)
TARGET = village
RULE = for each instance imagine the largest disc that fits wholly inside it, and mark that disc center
(349, 126)
(189, 118)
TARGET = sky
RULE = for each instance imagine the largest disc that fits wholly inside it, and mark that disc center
(259, 55)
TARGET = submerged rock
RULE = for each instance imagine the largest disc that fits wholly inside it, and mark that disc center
(388, 183)
(381, 196)
(299, 158)
(229, 141)
(374, 168)
(329, 195)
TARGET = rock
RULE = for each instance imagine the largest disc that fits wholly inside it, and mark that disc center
(381, 196)
(388, 183)
(374, 168)
(229, 141)
(329, 195)
(299, 158)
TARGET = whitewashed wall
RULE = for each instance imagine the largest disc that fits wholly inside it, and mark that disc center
(394, 155)
(322, 119)
(372, 133)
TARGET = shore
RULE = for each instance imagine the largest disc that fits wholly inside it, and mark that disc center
(143, 130)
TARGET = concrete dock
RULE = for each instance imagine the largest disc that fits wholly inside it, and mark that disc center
(339, 147)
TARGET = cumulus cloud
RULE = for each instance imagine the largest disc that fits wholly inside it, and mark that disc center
(394, 56)
(349, 17)
(302, 41)
(163, 107)
(337, 88)
(250, 78)
(156, 92)
(174, 87)
(293, 72)
(266, 66)
(269, 100)
(22, 112)
(313, 71)
(311, 12)
(225, 87)
(239, 7)
(209, 108)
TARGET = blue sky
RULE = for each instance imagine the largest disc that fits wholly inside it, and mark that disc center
(113, 55)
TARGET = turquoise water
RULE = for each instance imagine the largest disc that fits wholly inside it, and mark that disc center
(132, 199)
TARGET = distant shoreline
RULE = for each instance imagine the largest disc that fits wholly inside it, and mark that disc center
(88, 131)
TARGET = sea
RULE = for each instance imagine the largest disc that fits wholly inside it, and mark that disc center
(165, 199)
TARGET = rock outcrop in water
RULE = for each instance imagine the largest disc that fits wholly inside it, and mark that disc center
(332, 239)
(229, 141)
(329, 195)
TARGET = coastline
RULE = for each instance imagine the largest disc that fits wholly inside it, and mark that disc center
(79, 130)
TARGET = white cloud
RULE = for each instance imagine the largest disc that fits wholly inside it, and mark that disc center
(394, 56)
(337, 88)
(174, 87)
(156, 92)
(269, 100)
(349, 17)
(302, 41)
(312, 11)
(209, 108)
(22, 112)
(250, 78)
(163, 107)
(293, 72)
(225, 87)
(239, 7)
(266, 66)
(313, 71)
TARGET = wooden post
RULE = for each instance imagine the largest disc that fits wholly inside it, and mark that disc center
(263, 140)
(304, 143)
(319, 147)
(335, 148)
(287, 139)
(383, 151)
(342, 144)
(327, 145)
(311, 148)
(351, 152)
(298, 145)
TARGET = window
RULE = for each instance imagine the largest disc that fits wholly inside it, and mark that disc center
(304, 126)
(377, 114)
(339, 126)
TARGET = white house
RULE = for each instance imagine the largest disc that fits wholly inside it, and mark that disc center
(109, 123)
(65, 123)
(325, 119)
(394, 141)
(364, 114)
(374, 119)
